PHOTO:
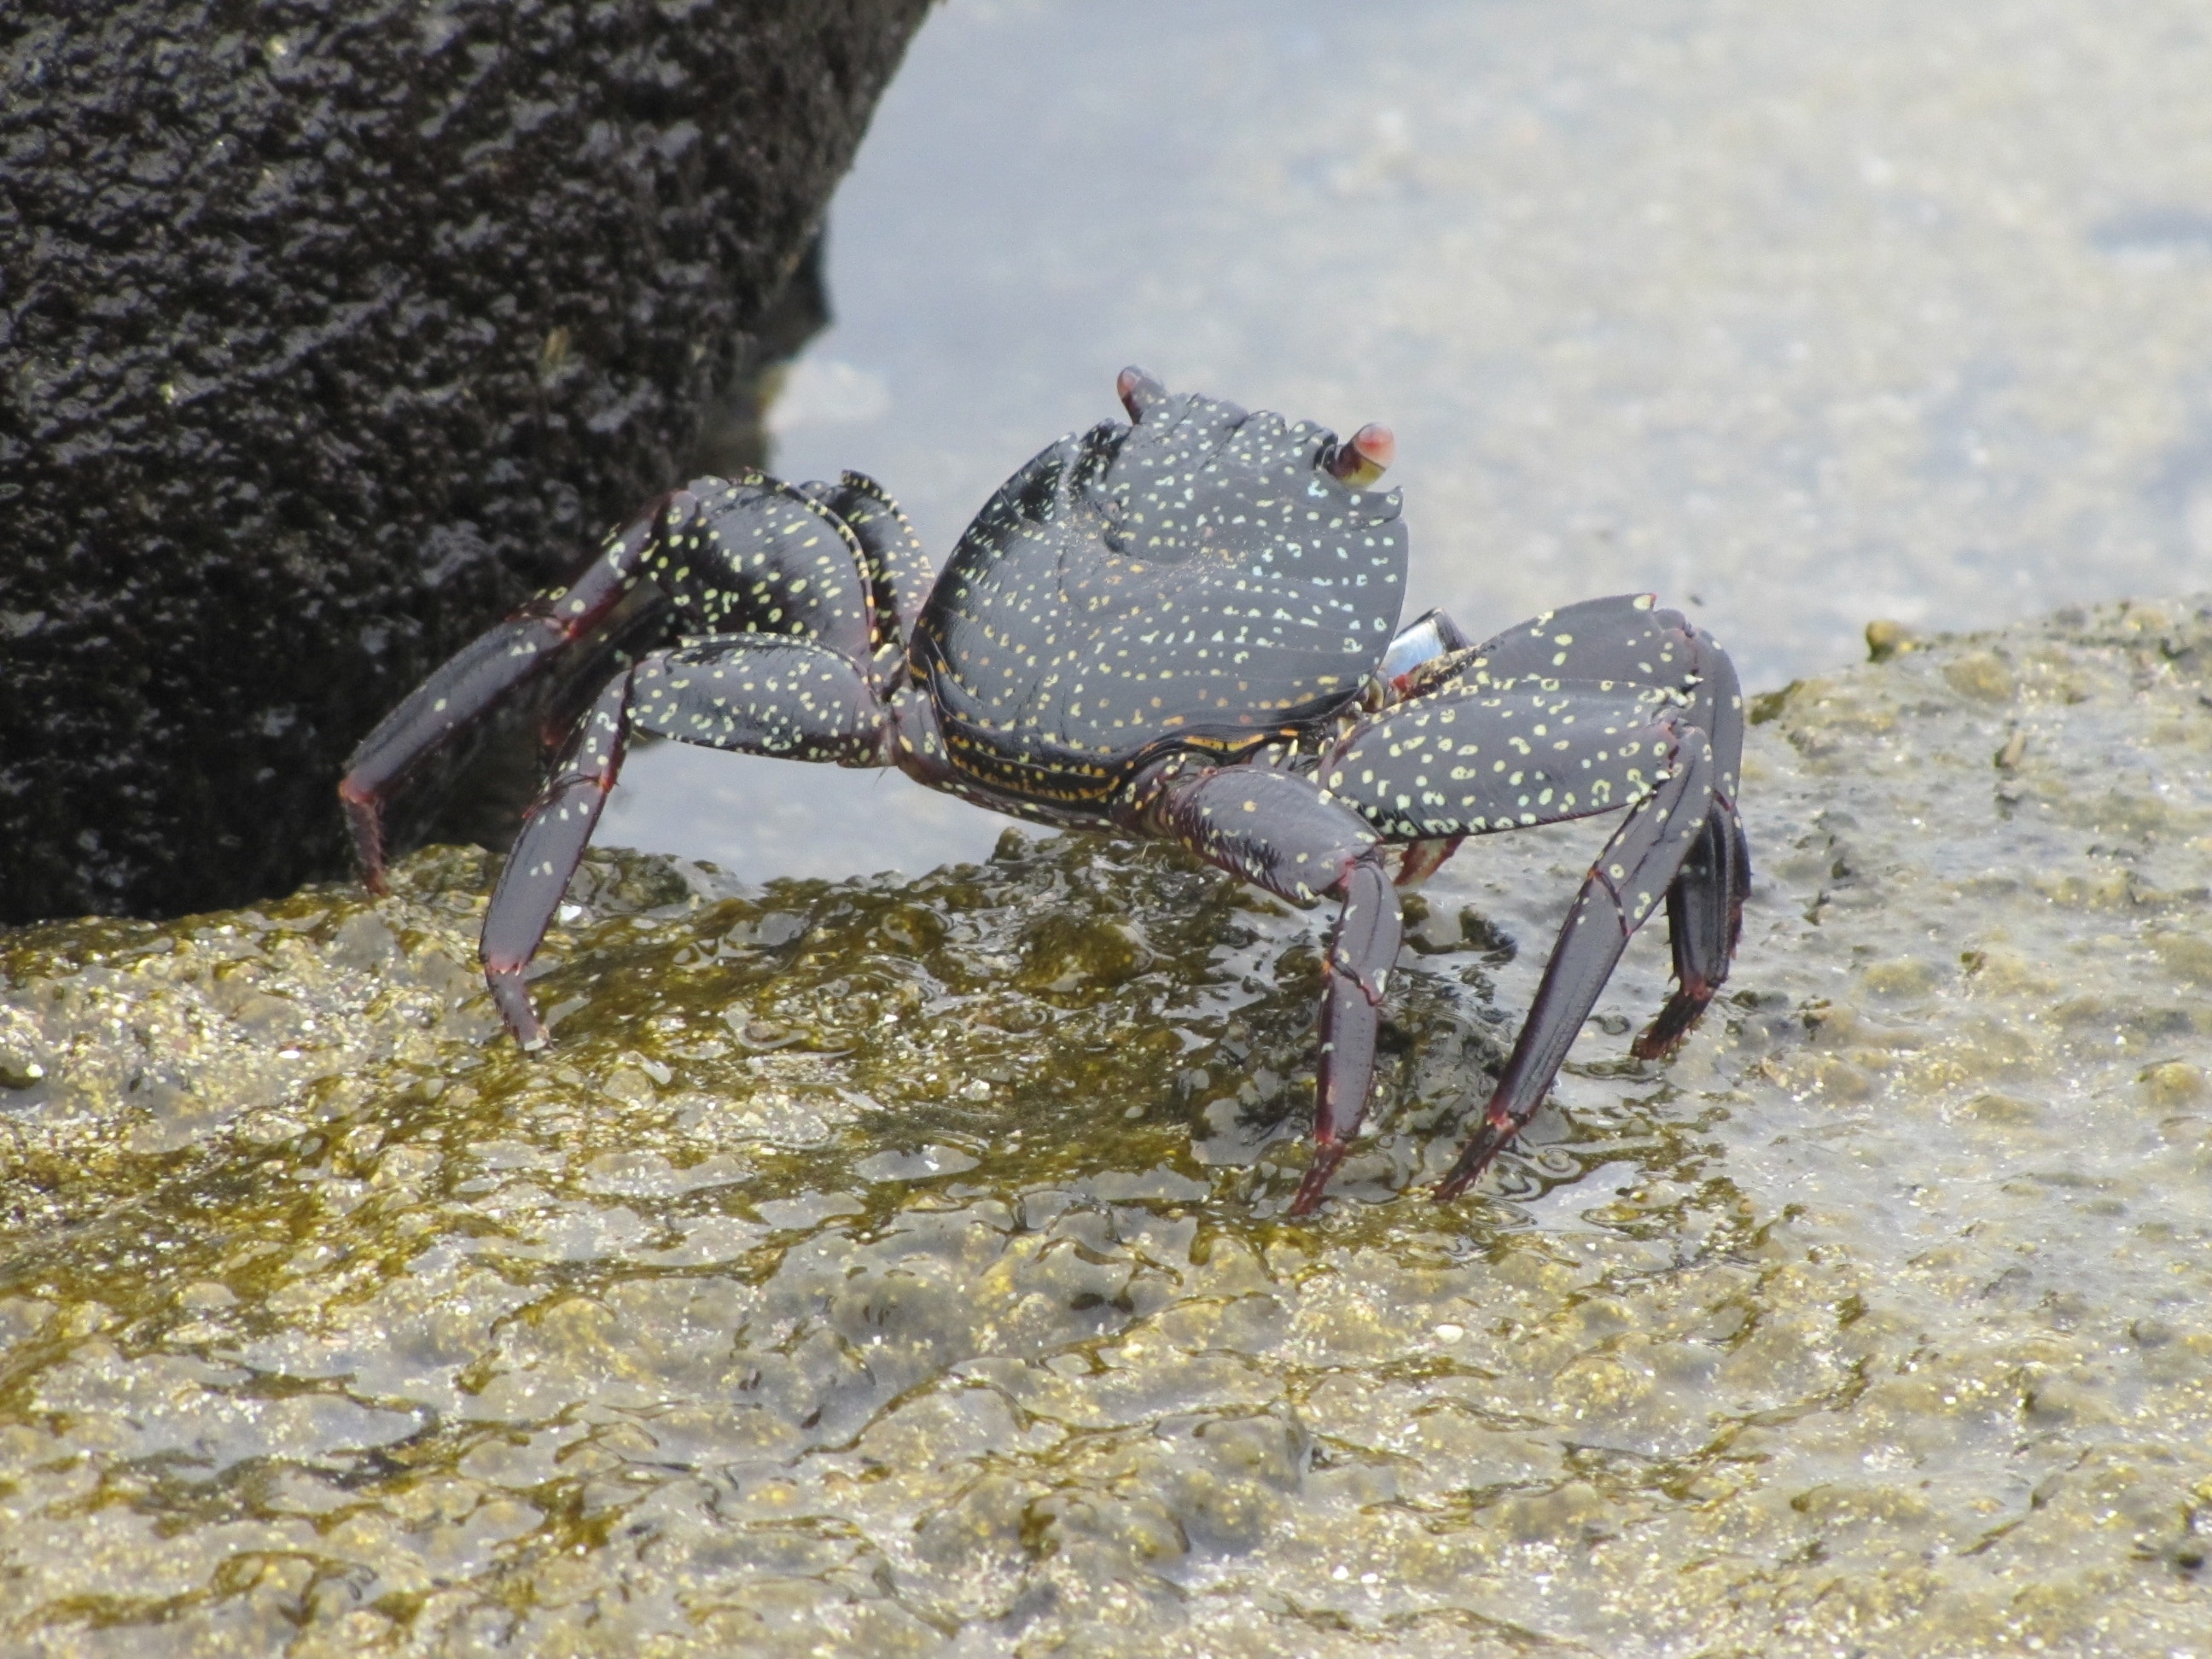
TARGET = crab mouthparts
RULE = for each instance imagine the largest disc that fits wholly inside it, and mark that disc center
(1362, 458)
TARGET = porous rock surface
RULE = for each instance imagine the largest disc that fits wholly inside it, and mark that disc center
(331, 330)
(889, 1268)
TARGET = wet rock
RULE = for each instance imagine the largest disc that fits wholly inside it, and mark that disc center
(331, 332)
(870, 1267)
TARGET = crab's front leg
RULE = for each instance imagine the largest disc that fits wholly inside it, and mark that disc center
(1627, 640)
(554, 833)
(754, 694)
(1274, 829)
(486, 669)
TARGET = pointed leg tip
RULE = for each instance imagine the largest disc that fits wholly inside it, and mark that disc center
(1475, 1156)
(1672, 1028)
(513, 1000)
(366, 822)
(1315, 1187)
(1462, 1176)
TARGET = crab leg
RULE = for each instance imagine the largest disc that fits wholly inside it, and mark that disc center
(1704, 905)
(758, 694)
(1360, 953)
(897, 570)
(1705, 915)
(1637, 866)
(763, 694)
(1274, 829)
(554, 833)
(477, 676)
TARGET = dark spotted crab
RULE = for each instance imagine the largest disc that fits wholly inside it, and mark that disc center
(1185, 627)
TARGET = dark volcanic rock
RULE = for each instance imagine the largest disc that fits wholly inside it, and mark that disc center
(326, 336)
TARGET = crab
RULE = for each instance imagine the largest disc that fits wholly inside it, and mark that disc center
(1184, 626)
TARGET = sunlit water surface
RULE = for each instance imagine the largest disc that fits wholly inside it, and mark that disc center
(1798, 316)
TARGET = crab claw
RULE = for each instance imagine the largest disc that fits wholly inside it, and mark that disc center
(1362, 458)
(1137, 390)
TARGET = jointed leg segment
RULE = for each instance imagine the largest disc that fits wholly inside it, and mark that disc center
(554, 836)
(1638, 866)
(1365, 944)
(1704, 916)
(476, 677)
(750, 693)
(1276, 831)
(783, 691)
(1704, 905)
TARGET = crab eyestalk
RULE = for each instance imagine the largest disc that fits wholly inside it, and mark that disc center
(1137, 390)
(1363, 458)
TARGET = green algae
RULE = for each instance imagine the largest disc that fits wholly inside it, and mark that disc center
(898, 1266)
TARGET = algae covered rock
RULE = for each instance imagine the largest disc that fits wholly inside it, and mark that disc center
(897, 1267)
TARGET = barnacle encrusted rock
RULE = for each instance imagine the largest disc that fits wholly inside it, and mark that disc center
(331, 330)
(893, 1266)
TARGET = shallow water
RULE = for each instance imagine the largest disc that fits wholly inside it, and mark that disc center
(1797, 315)
(887, 1266)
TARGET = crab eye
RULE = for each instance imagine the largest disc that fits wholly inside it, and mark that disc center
(1363, 458)
(1137, 390)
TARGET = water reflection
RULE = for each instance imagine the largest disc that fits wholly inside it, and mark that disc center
(1799, 316)
(758, 819)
